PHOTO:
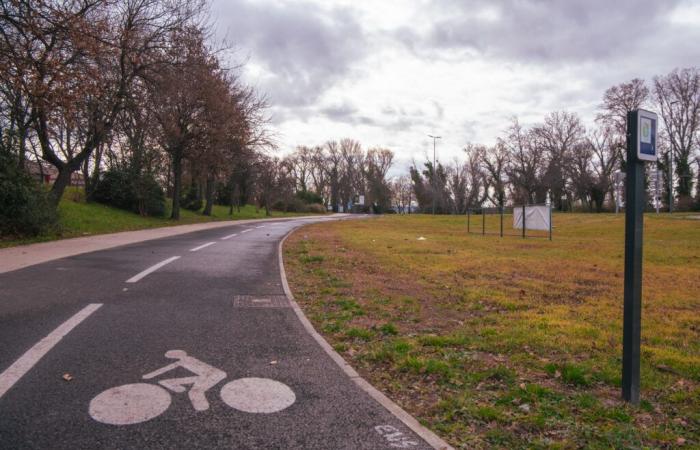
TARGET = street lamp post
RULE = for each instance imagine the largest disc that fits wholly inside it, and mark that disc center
(434, 169)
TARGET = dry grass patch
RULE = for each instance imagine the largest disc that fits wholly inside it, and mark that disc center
(506, 342)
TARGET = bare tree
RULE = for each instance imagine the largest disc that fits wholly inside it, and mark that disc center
(351, 177)
(377, 163)
(75, 64)
(319, 173)
(273, 181)
(605, 161)
(558, 135)
(526, 164)
(402, 190)
(678, 97)
(334, 167)
(495, 161)
(617, 102)
(301, 166)
(579, 172)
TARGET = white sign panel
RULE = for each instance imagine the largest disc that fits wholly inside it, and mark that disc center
(362, 200)
(536, 218)
(646, 142)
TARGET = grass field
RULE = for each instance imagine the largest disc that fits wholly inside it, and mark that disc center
(510, 343)
(78, 218)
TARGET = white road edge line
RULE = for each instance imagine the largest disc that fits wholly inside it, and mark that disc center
(24, 364)
(151, 269)
(202, 246)
(229, 236)
(428, 436)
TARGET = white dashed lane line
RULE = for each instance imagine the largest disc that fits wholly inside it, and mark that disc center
(229, 236)
(202, 246)
(24, 364)
(247, 230)
(261, 226)
(151, 269)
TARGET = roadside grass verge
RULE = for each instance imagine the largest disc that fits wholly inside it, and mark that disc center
(78, 218)
(510, 343)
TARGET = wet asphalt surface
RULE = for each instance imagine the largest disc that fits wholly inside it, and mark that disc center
(186, 305)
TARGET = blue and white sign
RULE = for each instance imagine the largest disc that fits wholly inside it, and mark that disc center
(646, 139)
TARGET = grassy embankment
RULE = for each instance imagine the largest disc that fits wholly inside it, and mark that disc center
(509, 343)
(78, 218)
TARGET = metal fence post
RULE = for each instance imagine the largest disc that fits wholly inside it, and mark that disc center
(523, 220)
(483, 222)
(469, 212)
(501, 220)
(550, 221)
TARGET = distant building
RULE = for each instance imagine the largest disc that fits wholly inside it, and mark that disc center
(46, 173)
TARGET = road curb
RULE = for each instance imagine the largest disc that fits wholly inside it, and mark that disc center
(428, 436)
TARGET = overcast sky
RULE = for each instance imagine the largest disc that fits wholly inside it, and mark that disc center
(389, 72)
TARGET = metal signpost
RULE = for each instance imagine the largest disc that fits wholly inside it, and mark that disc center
(641, 147)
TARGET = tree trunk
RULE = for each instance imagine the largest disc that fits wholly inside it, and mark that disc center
(22, 147)
(59, 186)
(177, 185)
(209, 195)
(92, 180)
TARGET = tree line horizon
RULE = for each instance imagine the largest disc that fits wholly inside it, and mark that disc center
(136, 97)
(557, 159)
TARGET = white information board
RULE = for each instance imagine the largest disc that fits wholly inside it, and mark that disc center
(536, 217)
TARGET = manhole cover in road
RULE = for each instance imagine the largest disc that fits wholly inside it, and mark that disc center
(260, 301)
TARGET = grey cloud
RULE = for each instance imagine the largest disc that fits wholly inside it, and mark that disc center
(307, 48)
(547, 31)
(341, 112)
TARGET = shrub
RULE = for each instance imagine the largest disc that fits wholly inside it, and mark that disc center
(139, 194)
(295, 204)
(291, 205)
(192, 201)
(24, 206)
(150, 198)
(309, 197)
(315, 208)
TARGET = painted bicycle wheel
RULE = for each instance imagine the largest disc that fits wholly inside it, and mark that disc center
(129, 404)
(257, 395)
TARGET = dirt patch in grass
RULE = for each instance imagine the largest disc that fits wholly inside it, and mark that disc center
(504, 343)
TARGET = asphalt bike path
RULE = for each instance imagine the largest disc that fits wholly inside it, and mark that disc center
(132, 347)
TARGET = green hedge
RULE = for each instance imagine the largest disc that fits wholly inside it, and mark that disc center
(122, 189)
(24, 206)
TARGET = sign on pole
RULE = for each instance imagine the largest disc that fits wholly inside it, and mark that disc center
(641, 147)
(646, 140)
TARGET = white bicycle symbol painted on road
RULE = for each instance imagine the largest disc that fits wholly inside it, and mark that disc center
(139, 402)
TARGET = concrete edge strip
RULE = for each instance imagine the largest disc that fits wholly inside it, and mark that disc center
(428, 436)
